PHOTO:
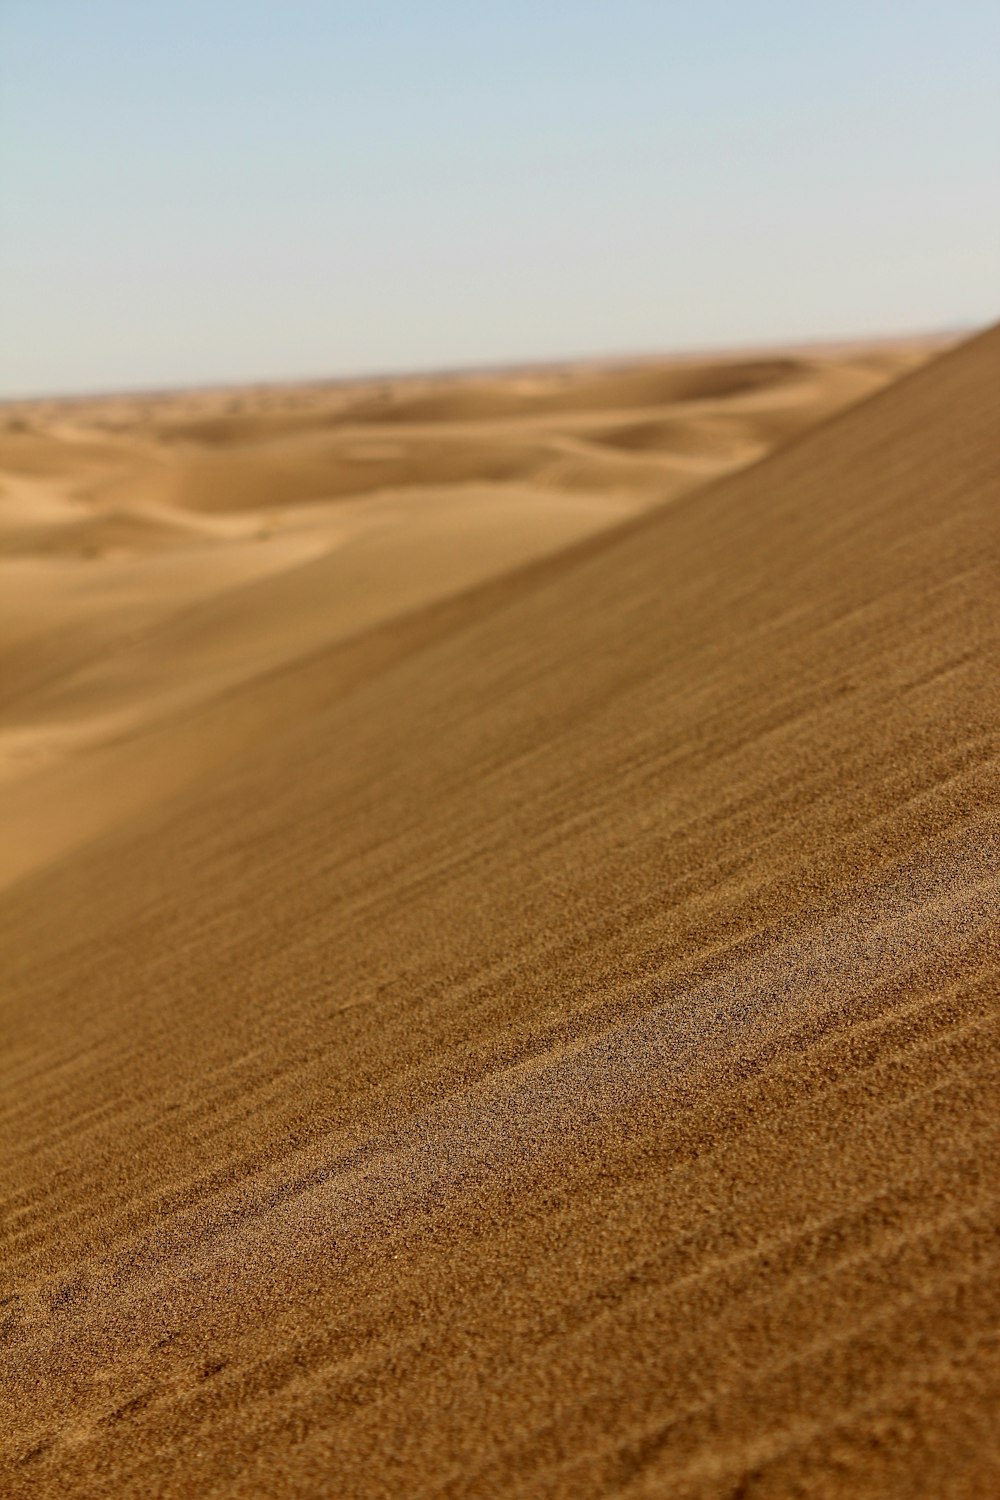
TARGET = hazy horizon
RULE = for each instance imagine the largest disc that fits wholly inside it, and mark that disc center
(260, 194)
(918, 337)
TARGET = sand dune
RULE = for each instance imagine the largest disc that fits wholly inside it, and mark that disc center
(156, 552)
(501, 965)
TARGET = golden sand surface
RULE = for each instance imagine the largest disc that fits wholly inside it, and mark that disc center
(500, 934)
(157, 553)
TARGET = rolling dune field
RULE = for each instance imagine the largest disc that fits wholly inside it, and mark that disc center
(156, 553)
(501, 934)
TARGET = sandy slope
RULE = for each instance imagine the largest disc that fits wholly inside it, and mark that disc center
(156, 553)
(538, 1039)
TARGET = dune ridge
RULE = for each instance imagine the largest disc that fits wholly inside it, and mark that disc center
(548, 1048)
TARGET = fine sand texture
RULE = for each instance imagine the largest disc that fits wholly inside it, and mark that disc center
(501, 935)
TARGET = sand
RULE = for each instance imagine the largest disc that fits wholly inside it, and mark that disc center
(158, 553)
(500, 934)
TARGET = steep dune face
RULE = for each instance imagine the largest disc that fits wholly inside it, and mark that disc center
(558, 1056)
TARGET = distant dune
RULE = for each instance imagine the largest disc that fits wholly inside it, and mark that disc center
(157, 552)
(500, 934)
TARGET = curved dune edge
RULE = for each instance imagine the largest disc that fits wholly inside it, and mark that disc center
(548, 1046)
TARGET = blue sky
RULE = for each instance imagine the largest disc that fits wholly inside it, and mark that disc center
(213, 190)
